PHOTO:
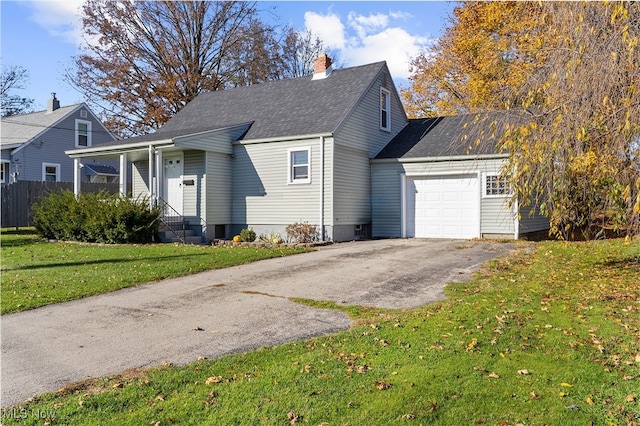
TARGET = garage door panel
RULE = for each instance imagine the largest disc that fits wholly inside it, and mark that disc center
(443, 207)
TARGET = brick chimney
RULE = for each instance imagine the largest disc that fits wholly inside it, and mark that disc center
(322, 67)
(53, 104)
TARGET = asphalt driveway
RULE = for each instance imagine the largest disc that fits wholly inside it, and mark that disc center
(224, 311)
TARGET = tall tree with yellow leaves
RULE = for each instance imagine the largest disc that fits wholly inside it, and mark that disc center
(572, 71)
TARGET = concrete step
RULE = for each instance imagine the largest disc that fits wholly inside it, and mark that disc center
(195, 239)
(170, 234)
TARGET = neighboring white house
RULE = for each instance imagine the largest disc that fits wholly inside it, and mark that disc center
(34, 144)
(309, 149)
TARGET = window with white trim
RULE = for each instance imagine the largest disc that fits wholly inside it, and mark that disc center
(385, 110)
(51, 172)
(83, 134)
(299, 165)
(496, 186)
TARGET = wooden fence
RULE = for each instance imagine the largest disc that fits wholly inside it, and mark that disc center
(17, 198)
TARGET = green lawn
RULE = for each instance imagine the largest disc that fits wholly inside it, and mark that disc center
(548, 337)
(37, 273)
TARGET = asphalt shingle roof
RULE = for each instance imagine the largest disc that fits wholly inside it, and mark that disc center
(101, 169)
(292, 107)
(21, 128)
(468, 134)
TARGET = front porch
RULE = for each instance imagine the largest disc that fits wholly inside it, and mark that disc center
(157, 175)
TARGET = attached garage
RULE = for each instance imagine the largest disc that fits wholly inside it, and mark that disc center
(444, 206)
(434, 181)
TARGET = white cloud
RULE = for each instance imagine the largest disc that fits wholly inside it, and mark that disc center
(365, 25)
(394, 45)
(60, 18)
(328, 27)
(369, 38)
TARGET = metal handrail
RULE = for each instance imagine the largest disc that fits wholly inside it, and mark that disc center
(170, 217)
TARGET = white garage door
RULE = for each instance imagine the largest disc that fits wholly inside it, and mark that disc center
(443, 207)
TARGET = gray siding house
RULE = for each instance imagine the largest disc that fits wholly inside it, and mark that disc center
(310, 149)
(33, 145)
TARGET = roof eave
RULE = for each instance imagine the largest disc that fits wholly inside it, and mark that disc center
(440, 158)
(112, 149)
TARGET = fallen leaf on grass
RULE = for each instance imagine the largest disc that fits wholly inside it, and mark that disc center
(382, 385)
(566, 385)
(631, 398)
(534, 395)
(213, 379)
(293, 417)
(493, 375)
(524, 372)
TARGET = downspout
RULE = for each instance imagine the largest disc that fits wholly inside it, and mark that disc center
(322, 188)
(123, 175)
(151, 177)
(159, 174)
(516, 225)
(77, 176)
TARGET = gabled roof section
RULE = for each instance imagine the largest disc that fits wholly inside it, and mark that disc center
(460, 135)
(298, 106)
(22, 128)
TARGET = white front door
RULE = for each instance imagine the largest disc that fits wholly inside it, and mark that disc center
(172, 193)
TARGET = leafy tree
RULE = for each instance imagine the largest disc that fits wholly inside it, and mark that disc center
(488, 49)
(572, 72)
(13, 78)
(299, 52)
(145, 60)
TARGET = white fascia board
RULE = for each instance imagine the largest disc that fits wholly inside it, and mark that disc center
(284, 138)
(115, 149)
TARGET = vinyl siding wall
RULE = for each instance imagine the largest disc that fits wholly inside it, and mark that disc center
(352, 187)
(49, 148)
(140, 179)
(361, 130)
(386, 195)
(218, 189)
(531, 220)
(194, 200)
(261, 194)
(357, 141)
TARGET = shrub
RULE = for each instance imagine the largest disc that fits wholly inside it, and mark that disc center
(302, 232)
(101, 217)
(248, 235)
(271, 238)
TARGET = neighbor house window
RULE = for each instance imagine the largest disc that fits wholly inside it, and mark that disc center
(300, 165)
(83, 134)
(496, 186)
(385, 108)
(4, 172)
(51, 172)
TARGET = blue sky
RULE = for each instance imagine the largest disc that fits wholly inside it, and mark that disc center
(43, 36)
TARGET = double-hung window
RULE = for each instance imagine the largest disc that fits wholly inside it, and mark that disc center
(496, 186)
(83, 134)
(51, 172)
(299, 165)
(385, 110)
